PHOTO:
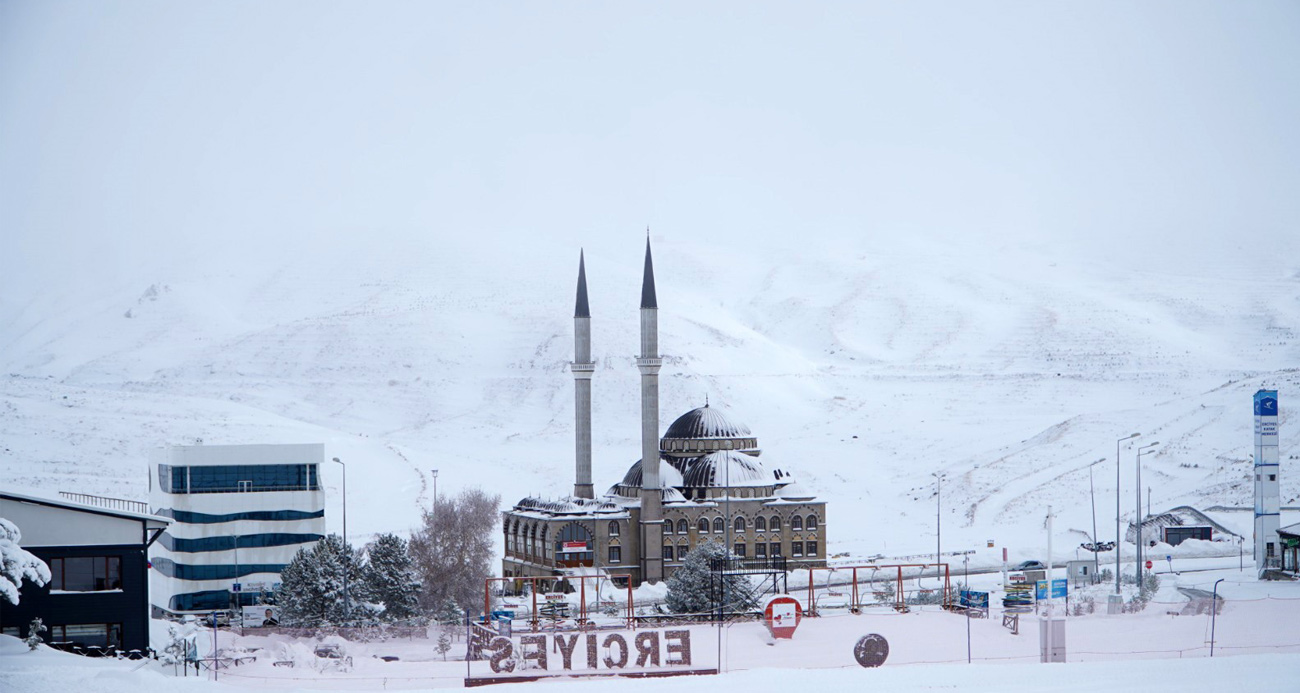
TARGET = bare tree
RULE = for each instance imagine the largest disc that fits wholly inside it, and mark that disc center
(452, 552)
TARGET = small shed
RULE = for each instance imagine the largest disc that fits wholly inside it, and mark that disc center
(1081, 572)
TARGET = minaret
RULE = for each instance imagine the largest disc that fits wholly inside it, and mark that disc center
(582, 367)
(652, 539)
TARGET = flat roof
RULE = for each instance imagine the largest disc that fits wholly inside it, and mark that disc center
(83, 507)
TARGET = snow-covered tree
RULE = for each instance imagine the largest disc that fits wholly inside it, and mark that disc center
(453, 550)
(16, 564)
(34, 630)
(691, 590)
(311, 587)
(390, 577)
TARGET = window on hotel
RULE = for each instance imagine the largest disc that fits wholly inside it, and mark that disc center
(668, 552)
(811, 548)
(719, 526)
(796, 523)
(615, 554)
(613, 528)
(86, 573)
(703, 525)
(682, 527)
(760, 524)
(739, 551)
(796, 548)
(811, 524)
(775, 524)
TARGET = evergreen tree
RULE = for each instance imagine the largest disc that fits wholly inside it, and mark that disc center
(311, 587)
(691, 590)
(390, 577)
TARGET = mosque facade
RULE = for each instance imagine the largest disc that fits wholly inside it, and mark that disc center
(707, 483)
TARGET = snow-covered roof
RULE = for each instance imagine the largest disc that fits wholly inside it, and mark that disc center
(159, 521)
(726, 468)
(566, 506)
(669, 476)
(706, 422)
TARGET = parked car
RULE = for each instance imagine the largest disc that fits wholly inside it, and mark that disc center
(1031, 565)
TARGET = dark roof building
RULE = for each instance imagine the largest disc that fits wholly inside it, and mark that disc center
(97, 600)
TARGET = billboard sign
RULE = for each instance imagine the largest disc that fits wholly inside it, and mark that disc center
(974, 600)
(1060, 587)
(574, 547)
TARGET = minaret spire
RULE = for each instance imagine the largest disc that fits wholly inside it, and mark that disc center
(581, 309)
(582, 368)
(649, 362)
(648, 299)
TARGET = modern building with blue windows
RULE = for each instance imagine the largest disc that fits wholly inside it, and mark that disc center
(239, 515)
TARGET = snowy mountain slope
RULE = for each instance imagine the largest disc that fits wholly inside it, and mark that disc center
(862, 368)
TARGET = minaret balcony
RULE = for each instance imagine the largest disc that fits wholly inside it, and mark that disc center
(649, 365)
(581, 369)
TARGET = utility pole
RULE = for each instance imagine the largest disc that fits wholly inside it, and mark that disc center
(938, 519)
(347, 554)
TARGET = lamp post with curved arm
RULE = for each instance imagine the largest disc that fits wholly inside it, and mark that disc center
(1119, 541)
(347, 554)
(1137, 538)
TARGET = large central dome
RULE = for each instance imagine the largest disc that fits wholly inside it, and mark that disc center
(705, 430)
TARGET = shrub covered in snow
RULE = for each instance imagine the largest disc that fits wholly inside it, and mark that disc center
(16, 564)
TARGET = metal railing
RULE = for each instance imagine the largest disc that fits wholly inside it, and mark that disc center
(106, 502)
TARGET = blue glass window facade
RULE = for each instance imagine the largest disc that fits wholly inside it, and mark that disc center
(238, 478)
(185, 571)
(227, 543)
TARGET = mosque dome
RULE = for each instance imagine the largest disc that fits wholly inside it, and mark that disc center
(727, 468)
(705, 430)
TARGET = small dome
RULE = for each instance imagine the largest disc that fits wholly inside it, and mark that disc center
(706, 422)
(725, 468)
(669, 477)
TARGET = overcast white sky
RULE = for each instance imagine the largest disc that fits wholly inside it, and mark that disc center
(132, 129)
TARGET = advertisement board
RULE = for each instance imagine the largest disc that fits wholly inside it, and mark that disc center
(260, 615)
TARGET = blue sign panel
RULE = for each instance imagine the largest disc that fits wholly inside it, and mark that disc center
(1266, 403)
(972, 599)
(1059, 588)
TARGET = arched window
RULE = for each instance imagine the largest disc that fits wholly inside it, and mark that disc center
(613, 528)
(546, 549)
(811, 523)
(796, 523)
(775, 523)
(573, 545)
(719, 526)
(760, 524)
(682, 527)
(703, 525)
(668, 526)
(740, 524)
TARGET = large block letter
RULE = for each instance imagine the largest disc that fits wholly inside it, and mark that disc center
(647, 648)
(566, 648)
(610, 641)
(503, 652)
(591, 650)
(678, 643)
(537, 652)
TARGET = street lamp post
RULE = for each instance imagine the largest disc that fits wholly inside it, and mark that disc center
(1119, 541)
(1092, 499)
(347, 555)
(1137, 539)
(938, 518)
(1214, 612)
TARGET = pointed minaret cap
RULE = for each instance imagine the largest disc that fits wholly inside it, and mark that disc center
(648, 281)
(581, 309)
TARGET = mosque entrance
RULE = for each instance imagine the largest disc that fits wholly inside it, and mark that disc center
(573, 546)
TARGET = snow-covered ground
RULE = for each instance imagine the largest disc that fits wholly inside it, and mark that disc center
(1255, 642)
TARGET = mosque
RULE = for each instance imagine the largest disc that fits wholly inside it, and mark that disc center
(706, 484)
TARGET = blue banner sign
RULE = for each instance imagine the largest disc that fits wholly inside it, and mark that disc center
(1059, 588)
(974, 600)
